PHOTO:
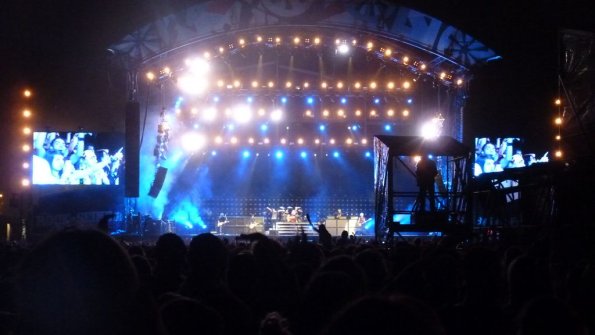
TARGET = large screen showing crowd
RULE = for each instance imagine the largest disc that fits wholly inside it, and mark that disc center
(77, 158)
(497, 154)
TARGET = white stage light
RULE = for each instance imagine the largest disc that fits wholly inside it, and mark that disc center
(343, 49)
(198, 66)
(432, 128)
(192, 84)
(276, 115)
(195, 81)
(242, 114)
(192, 142)
(209, 114)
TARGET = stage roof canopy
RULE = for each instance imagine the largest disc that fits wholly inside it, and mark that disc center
(418, 145)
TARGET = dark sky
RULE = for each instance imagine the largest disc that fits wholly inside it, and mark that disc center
(59, 46)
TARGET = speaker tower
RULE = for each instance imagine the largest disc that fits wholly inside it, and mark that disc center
(132, 149)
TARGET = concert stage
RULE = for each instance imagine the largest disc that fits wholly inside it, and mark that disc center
(276, 110)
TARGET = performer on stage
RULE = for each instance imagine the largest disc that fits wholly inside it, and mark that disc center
(361, 219)
(221, 221)
(270, 218)
(425, 174)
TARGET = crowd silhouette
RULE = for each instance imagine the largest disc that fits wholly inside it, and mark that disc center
(86, 282)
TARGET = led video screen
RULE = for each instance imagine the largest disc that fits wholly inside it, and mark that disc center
(494, 154)
(77, 158)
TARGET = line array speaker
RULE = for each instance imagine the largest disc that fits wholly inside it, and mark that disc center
(158, 182)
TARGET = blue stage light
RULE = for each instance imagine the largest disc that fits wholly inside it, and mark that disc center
(279, 154)
(246, 154)
(303, 154)
(322, 127)
(310, 100)
(264, 127)
(284, 100)
(388, 127)
(410, 101)
(178, 102)
(368, 154)
(376, 101)
(249, 99)
(336, 154)
(216, 99)
(343, 100)
(213, 153)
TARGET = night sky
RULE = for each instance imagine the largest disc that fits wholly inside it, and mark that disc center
(59, 48)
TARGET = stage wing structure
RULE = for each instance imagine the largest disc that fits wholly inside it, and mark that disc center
(396, 191)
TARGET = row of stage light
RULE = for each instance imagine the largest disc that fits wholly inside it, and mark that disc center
(193, 84)
(342, 47)
(243, 113)
(309, 107)
(283, 154)
(193, 141)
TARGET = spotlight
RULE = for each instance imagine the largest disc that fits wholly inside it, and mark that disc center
(192, 142)
(242, 114)
(343, 49)
(276, 115)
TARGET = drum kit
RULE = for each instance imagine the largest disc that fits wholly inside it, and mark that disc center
(289, 214)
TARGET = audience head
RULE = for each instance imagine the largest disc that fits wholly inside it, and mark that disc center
(385, 315)
(76, 282)
(207, 255)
